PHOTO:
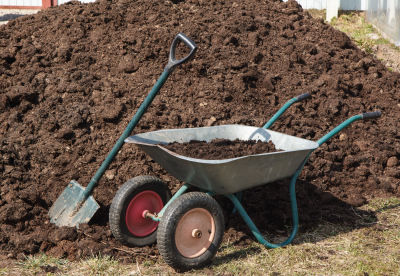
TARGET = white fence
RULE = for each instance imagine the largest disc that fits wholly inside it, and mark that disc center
(351, 5)
(30, 3)
(385, 14)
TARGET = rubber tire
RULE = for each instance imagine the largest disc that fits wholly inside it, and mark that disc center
(120, 204)
(169, 221)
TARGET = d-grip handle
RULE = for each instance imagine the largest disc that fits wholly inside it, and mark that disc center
(173, 63)
(371, 115)
(303, 97)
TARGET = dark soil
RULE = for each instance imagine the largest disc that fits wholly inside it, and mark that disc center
(72, 76)
(221, 148)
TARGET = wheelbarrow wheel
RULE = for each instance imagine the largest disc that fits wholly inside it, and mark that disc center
(190, 231)
(133, 199)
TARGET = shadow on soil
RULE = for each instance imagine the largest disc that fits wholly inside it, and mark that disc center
(269, 208)
(238, 255)
(7, 17)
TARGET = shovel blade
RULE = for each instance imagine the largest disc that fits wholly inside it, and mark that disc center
(63, 213)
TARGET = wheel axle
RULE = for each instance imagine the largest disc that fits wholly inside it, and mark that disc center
(147, 214)
(196, 233)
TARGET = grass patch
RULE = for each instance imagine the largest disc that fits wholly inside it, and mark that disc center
(370, 249)
(99, 265)
(42, 262)
(317, 13)
(381, 41)
(394, 47)
(382, 205)
(353, 23)
(5, 271)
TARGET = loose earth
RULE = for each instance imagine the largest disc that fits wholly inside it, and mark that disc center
(72, 77)
(218, 149)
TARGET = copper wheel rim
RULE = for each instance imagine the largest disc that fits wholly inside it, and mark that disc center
(194, 233)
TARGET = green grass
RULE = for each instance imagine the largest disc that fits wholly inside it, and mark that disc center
(381, 41)
(99, 265)
(4, 271)
(347, 253)
(38, 262)
(354, 24)
(381, 205)
(356, 27)
(394, 47)
(96, 265)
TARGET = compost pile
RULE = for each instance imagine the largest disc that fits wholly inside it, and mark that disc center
(221, 148)
(72, 76)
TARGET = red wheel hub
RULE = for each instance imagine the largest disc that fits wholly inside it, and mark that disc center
(135, 221)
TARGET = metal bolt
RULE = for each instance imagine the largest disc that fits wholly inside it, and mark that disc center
(196, 233)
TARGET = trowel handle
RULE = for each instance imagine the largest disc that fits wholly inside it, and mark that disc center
(173, 63)
(371, 115)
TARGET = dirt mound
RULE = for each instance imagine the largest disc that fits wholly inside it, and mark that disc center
(72, 76)
(221, 148)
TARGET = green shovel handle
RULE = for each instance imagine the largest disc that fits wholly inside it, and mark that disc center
(142, 109)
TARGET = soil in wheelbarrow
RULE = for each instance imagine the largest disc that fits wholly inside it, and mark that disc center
(72, 76)
(221, 148)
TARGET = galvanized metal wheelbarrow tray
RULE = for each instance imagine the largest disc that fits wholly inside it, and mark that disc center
(232, 176)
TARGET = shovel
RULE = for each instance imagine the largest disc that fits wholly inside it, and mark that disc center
(76, 204)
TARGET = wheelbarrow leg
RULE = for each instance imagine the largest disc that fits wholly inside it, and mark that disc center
(176, 195)
(239, 197)
(254, 229)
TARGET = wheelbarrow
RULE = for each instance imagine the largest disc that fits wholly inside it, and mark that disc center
(189, 227)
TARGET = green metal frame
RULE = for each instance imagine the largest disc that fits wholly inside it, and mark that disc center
(176, 195)
(292, 186)
(253, 228)
(269, 124)
(292, 192)
(280, 112)
(339, 128)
